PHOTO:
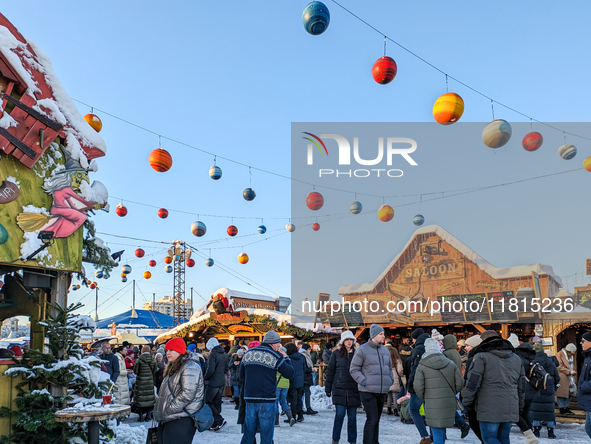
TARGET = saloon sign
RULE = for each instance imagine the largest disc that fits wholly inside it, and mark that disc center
(443, 269)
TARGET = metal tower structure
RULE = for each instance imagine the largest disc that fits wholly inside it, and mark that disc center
(178, 300)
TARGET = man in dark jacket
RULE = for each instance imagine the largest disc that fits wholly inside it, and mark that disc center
(450, 344)
(215, 381)
(495, 387)
(327, 353)
(112, 363)
(542, 406)
(584, 386)
(371, 368)
(419, 339)
(405, 350)
(308, 378)
(258, 370)
(527, 355)
(296, 384)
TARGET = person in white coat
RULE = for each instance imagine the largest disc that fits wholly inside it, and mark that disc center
(122, 396)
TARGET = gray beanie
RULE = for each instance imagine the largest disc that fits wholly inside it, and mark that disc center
(271, 337)
(375, 330)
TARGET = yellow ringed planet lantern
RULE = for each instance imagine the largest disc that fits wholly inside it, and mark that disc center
(448, 108)
(386, 213)
(94, 121)
(243, 258)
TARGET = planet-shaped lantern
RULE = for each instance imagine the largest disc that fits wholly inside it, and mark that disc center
(290, 228)
(147, 275)
(567, 152)
(448, 108)
(123, 279)
(198, 228)
(386, 213)
(316, 226)
(162, 213)
(262, 229)
(121, 210)
(74, 287)
(243, 258)
(316, 18)
(160, 160)
(168, 260)
(384, 70)
(176, 257)
(126, 269)
(418, 220)
(190, 263)
(168, 268)
(232, 230)
(497, 133)
(587, 164)
(139, 253)
(314, 200)
(94, 121)
(106, 276)
(209, 262)
(249, 194)
(123, 275)
(152, 263)
(98, 274)
(92, 286)
(215, 172)
(532, 141)
(355, 207)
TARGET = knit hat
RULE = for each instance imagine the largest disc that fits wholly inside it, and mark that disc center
(192, 347)
(488, 334)
(436, 335)
(514, 340)
(177, 344)
(474, 341)
(432, 346)
(538, 347)
(213, 342)
(461, 342)
(535, 339)
(306, 346)
(347, 334)
(571, 348)
(417, 332)
(375, 330)
(16, 350)
(587, 336)
(253, 344)
(271, 337)
(240, 352)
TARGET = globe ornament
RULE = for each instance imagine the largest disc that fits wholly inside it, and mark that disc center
(123, 274)
(316, 226)
(198, 228)
(355, 207)
(290, 228)
(418, 220)
(567, 152)
(587, 164)
(162, 213)
(160, 160)
(121, 210)
(316, 18)
(139, 253)
(232, 231)
(98, 274)
(386, 213)
(497, 133)
(74, 287)
(249, 194)
(126, 269)
(92, 286)
(152, 263)
(94, 121)
(448, 108)
(209, 262)
(168, 268)
(243, 258)
(190, 263)
(168, 260)
(215, 172)
(262, 229)
(384, 70)
(532, 141)
(123, 279)
(147, 275)
(176, 258)
(314, 200)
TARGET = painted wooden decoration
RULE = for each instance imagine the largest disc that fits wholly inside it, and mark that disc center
(290, 227)
(209, 262)
(168, 260)
(215, 172)
(532, 141)
(567, 152)
(232, 230)
(124, 279)
(160, 160)
(3, 234)
(126, 269)
(152, 263)
(587, 164)
(314, 200)
(243, 258)
(139, 253)
(249, 194)
(316, 18)
(384, 70)
(168, 268)
(262, 229)
(198, 228)
(121, 210)
(190, 263)
(386, 213)
(355, 207)
(448, 108)
(497, 133)
(162, 213)
(418, 220)
(316, 226)
(9, 191)
(147, 275)
(94, 121)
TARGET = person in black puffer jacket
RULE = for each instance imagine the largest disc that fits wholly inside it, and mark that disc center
(584, 384)
(415, 401)
(542, 407)
(343, 388)
(527, 355)
(296, 384)
(215, 381)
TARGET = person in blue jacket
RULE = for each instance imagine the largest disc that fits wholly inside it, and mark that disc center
(584, 392)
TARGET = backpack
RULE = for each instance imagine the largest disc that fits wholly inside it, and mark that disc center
(538, 377)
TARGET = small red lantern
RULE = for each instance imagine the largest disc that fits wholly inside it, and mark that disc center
(316, 226)
(532, 141)
(162, 213)
(139, 252)
(92, 286)
(160, 160)
(384, 70)
(168, 260)
(121, 210)
(314, 200)
(190, 263)
(232, 230)
(152, 263)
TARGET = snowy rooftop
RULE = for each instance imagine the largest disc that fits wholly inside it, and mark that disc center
(229, 293)
(494, 272)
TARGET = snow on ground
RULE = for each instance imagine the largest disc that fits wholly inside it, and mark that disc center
(317, 429)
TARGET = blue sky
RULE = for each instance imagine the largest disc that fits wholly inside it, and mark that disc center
(230, 80)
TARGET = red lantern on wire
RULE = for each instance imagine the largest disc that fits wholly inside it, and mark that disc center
(152, 263)
(232, 230)
(384, 70)
(162, 213)
(121, 210)
(139, 253)
(160, 160)
(190, 263)
(168, 260)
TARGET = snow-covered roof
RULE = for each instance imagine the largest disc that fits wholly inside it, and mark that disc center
(491, 270)
(229, 293)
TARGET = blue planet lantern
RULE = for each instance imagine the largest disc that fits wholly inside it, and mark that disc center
(316, 18)
(262, 229)
(418, 220)
(176, 257)
(198, 228)
(123, 279)
(74, 287)
(126, 269)
(249, 194)
(355, 207)
(168, 268)
(567, 152)
(98, 274)
(215, 172)
(106, 276)
(209, 262)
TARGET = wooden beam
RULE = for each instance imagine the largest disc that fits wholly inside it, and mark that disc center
(480, 328)
(360, 331)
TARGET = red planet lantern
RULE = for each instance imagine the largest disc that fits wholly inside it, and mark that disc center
(168, 260)
(162, 213)
(94, 121)
(532, 141)
(92, 286)
(232, 230)
(384, 70)
(121, 210)
(139, 252)
(314, 200)
(152, 263)
(190, 263)
(316, 226)
(160, 160)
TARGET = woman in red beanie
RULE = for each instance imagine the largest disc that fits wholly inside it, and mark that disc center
(181, 394)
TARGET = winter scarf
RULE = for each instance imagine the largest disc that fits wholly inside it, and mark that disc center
(572, 385)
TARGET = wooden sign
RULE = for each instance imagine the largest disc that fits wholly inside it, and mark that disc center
(9, 191)
(402, 290)
(477, 305)
(240, 328)
(253, 303)
(229, 318)
(500, 306)
(583, 297)
(589, 267)
(352, 317)
(452, 309)
(492, 285)
(337, 319)
(435, 270)
(449, 285)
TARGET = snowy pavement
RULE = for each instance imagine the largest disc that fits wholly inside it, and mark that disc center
(317, 429)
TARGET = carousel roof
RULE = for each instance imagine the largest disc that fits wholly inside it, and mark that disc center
(147, 318)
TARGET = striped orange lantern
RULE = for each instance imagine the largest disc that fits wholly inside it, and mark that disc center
(532, 141)
(160, 160)
(94, 121)
(587, 164)
(448, 108)
(243, 258)
(147, 275)
(168, 260)
(386, 213)
(384, 70)
(314, 200)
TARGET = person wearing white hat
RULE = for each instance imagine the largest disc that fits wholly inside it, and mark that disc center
(568, 374)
